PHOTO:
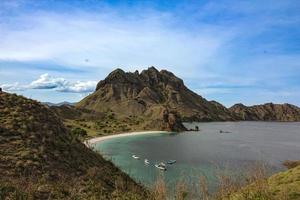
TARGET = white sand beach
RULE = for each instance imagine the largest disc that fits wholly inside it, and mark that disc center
(101, 138)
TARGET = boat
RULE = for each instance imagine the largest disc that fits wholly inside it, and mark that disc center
(135, 157)
(170, 162)
(146, 161)
(161, 167)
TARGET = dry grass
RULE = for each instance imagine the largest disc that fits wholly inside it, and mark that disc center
(159, 191)
(203, 188)
(181, 191)
(253, 185)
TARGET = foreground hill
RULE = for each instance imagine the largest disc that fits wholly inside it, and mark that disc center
(280, 186)
(266, 112)
(41, 159)
(149, 94)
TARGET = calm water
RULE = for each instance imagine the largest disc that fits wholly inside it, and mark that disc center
(206, 152)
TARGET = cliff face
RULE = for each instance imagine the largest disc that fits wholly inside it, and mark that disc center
(266, 112)
(38, 153)
(149, 94)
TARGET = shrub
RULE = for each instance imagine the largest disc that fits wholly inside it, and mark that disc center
(78, 133)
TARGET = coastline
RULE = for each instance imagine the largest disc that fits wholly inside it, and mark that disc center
(102, 138)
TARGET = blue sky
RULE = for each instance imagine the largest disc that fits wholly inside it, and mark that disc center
(228, 51)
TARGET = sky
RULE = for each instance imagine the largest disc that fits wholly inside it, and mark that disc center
(229, 51)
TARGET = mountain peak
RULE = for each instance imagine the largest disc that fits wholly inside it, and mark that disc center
(152, 68)
(118, 70)
(148, 93)
(238, 105)
(116, 74)
(151, 71)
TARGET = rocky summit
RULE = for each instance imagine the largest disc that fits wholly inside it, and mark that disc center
(156, 95)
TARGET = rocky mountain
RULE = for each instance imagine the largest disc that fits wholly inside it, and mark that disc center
(266, 112)
(156, 95)
(41, 159)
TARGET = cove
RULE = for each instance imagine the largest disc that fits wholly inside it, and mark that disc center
(218, 147)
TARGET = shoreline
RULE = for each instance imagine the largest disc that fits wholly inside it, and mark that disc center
(102, 138)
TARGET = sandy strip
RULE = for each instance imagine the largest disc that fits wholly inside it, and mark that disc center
(101, 138)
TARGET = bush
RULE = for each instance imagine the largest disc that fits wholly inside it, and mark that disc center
(79, 132)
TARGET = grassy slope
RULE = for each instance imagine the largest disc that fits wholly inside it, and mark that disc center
(281, 186)
(102, 123)
(286, 183)
(40, 159)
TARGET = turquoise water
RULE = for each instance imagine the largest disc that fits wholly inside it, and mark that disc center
(206, 152)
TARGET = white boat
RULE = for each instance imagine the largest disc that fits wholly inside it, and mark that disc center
(161, 167)
(146, 161)
(135, 157)
(162, 164)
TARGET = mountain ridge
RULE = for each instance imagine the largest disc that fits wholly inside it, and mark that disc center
(266, 112)
(151, 92)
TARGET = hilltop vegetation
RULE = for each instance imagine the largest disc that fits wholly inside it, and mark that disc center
(41, 159)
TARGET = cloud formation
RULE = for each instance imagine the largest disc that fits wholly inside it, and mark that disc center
(237, 48)
(108, 39)
(47, 82)
(12, 87)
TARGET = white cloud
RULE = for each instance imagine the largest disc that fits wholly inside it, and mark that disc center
(12, 87)
(79, 87)
(46, 82)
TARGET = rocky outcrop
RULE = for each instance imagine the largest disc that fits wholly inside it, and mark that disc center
(266, 112)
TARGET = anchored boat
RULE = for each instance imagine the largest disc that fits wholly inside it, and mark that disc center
(135, 157)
